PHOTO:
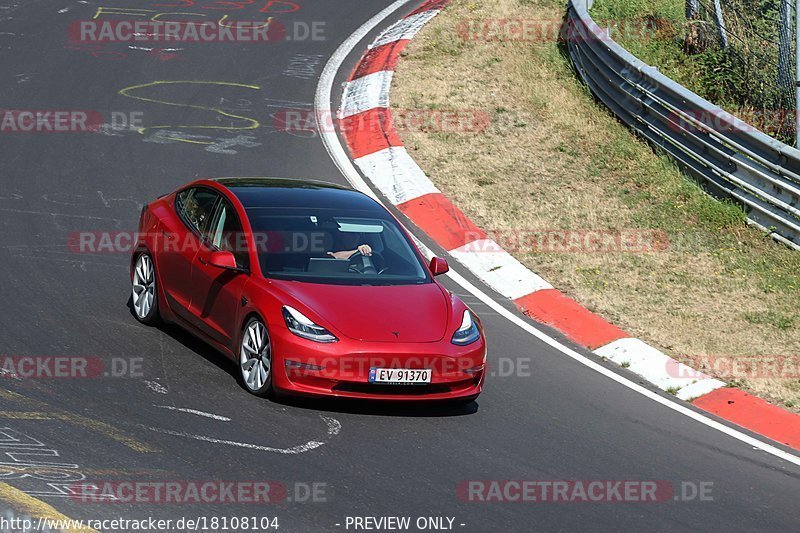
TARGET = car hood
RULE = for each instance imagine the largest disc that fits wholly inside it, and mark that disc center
(397, 313)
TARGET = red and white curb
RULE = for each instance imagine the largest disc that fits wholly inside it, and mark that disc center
(376, 149)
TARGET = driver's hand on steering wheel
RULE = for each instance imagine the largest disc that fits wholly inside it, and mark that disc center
(364, 249)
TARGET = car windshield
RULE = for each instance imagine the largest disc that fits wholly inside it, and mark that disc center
(335, 247)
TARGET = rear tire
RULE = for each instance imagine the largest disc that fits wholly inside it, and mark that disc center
(255, 359)
(144, 290)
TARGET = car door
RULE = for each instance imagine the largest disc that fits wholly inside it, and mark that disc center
(216, 292)
(181, 236)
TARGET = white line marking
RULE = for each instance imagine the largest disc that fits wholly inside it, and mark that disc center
(146, 49)
(7, 373)
(334, 426)
(156, 387)
(342, 161)
(310, 445)
(194, 412)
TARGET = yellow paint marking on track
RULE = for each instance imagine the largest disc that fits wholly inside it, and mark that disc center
(107, 430)
(254, 124)
(122, 11)
(118, 472)
(266, 24)
(29, 505)
(25, 415)
(78, 420)
(104, 473)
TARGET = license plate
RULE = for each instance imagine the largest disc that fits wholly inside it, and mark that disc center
(399, 375)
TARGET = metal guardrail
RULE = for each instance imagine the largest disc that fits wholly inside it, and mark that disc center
(730, 158)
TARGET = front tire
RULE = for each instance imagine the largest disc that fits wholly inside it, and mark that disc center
(255, 358)
(144, 290)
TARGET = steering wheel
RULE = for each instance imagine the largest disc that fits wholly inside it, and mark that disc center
(366, 265)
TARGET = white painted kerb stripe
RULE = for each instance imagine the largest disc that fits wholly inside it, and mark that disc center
(701, 388)
(498, 269)
(396, 174)
(657, 367)
(365, 93)
(406, 28)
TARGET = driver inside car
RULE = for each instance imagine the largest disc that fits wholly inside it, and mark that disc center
(348, 245)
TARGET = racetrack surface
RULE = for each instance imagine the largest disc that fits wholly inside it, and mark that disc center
(551, 419)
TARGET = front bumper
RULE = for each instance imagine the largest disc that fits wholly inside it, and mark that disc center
(341, 369)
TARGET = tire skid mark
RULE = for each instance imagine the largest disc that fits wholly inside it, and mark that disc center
(194, 412)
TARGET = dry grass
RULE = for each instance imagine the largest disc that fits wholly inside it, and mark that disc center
(554, 159)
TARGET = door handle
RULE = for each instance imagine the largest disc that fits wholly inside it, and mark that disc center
(202, 261)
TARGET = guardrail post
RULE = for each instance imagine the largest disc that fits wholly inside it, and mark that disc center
(797, 75)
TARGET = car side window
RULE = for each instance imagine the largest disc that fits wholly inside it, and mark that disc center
(225, 233)
(196, 206)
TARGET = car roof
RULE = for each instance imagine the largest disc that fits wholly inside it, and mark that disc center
(285, 192)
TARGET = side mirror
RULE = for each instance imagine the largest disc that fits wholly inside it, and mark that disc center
(223, 259)
(439, 266)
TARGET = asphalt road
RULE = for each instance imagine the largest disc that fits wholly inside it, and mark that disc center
(551, 419)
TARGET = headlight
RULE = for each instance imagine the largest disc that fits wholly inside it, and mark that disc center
(468, 332)
(301, 326)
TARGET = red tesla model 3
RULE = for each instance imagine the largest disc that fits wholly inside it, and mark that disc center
(313, 289)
